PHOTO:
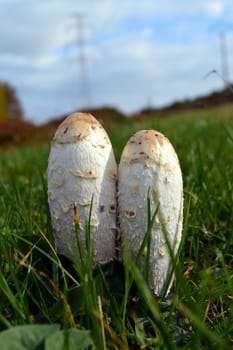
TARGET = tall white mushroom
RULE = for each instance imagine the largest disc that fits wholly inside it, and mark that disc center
(82, 166)
(149, 161)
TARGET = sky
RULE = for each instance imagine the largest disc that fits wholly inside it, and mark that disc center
(65, 55)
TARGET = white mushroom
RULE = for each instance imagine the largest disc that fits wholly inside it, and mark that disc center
(82, 166)
(149, 162)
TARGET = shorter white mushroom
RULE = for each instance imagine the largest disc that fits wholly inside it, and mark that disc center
(82, 168)
(149, 162)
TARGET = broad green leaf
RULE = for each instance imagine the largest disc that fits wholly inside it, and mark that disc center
(72, 339)
(27, 337)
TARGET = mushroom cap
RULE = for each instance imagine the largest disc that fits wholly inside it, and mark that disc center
(79, 126)
(82, 171)
(149, 146)
(149, 162)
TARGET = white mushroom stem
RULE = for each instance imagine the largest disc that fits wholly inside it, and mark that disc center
(82, 166)
(149, 161)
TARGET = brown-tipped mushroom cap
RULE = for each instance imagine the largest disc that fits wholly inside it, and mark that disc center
(78, 126)
(82, 166)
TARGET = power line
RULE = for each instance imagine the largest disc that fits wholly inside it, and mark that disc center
(224, 57)
(82, 59)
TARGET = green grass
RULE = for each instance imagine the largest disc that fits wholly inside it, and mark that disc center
(114, 302)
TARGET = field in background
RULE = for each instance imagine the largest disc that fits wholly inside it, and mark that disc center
(34, 288)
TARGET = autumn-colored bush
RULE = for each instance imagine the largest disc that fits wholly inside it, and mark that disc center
(15, 132)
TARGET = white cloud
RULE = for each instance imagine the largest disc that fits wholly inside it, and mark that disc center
(136, 51)
(214, 8)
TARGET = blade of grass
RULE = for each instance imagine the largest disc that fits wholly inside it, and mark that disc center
(211, 338)
(153, 306)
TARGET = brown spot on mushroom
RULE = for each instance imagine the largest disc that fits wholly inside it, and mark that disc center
(57, 176)
(162, 252)
(166, 219)
(65, 209)
(157, 195)
(145, 251)
(59, 182)
(134, 189)
(129, 214)
(51, 196)
(106, 140)
(112, 209)
(87, 174)
(55, 215)
(101, 208)
(167, 167)
(94, 222)
(86, 203)
(112, 175)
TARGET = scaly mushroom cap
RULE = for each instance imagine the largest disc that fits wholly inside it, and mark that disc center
(149, 162)
(82, 166)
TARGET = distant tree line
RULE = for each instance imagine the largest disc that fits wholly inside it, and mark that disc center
(10, 106)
